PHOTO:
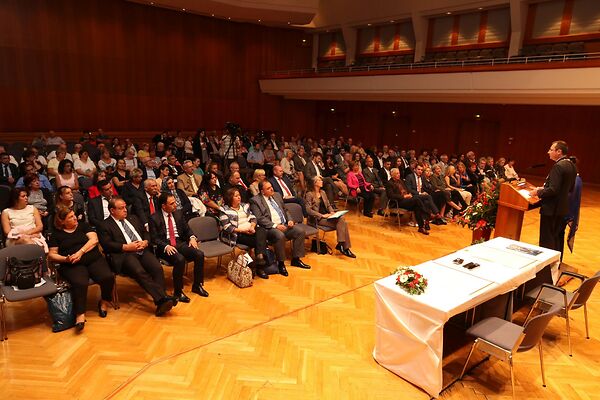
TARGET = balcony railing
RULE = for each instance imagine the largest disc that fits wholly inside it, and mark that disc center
(491, 62)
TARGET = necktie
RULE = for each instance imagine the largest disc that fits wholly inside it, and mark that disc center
(151, 202)
(419, 184)
(172, 240)
(193, 181)
(243, 184)
(130, 234)
(278, 210)
(6, 171)
(285, 188)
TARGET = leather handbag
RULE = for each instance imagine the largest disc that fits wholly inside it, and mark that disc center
(239, 272)
(24, 274)
(323, 247)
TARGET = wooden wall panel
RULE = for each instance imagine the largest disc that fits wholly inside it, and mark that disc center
(71, 65)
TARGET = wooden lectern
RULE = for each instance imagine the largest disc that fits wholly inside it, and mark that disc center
(512, 205)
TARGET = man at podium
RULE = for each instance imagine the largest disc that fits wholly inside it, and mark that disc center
(554, 196)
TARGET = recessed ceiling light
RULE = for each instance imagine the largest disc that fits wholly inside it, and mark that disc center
(303, 40)
(392, 21)
(259, 20)
(368, 24)
(228, 17)
(289, 22)
(183, 9)
(212, 15)
(480, 8)
(332, 110)
(151, 3)
(449, 12)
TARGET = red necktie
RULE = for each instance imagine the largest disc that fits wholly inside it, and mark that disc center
(151, 202)
(172, 240)
(243, 184)
(285, 188)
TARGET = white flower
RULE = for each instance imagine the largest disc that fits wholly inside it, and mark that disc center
(403, 278)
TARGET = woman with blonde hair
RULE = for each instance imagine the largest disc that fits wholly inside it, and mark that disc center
(452, 179)
(258, 176)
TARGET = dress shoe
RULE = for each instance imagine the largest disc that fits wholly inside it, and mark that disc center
(368, 215)
(348, 253)
(441, 221)
(339, 247)
(102, 313)
(199, 290)
(181, 297)
(261, 273)
(79, 326)
(163, 306)
(282, 269)
(423, 231)
(297, 262)
(427, 226)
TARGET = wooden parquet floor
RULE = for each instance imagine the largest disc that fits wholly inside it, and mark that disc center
(308, 336)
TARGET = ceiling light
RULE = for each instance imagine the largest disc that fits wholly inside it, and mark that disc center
(151, 3)
(183, 9)
(228, 17)
(332, 109)
(394, 112)
(259, 20)
(212, 15)
(303, 40)
(368, 24)
(449, 12)
(289, 22)
(392, 21)
(480, 8)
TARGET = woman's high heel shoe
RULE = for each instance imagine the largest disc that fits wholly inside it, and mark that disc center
(102, 313)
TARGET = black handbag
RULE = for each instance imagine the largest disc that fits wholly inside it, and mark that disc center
(24, 274)
(323, 247)
(60, 307)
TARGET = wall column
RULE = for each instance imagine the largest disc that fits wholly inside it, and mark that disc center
(419, 24)
(518, 21)
(350, 40)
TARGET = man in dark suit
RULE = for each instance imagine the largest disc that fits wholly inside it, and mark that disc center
(126, 242)
(9, 173)
(385, 173)
(97, 209)
(272, 215)
(414, 184)
(148, 203)
(397, 191)
(285, 188)
(235, 181)
(554, 196)
(312, 169)
(372, 176)
(176, 243)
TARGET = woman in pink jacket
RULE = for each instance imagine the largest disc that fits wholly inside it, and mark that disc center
(358, 186)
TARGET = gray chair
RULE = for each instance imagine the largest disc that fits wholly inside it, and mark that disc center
(503, 339)
(393, 205)
(547, 296)
(206, 230)
(7, 293)
(296, 211)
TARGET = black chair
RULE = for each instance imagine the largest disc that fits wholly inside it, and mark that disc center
(547, 296)
(8, 293)
(206, 230)
(298, 218)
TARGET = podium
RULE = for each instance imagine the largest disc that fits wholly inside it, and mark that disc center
(514, 200)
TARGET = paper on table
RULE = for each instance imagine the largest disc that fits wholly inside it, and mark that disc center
(487, 270)
(338, 214)
(502, 257)
(524, 193)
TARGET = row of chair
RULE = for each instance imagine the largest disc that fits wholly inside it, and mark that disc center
(475, 54)
(552, 49)
(503, 339)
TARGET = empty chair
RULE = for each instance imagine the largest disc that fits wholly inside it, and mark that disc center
(503, 339)
(576, 48)
(429, 57)
(528, 51)
(486, 54)
(8, 293)
(499, 53)
(559, 48)
(474, 54)
(298, 218)
(544, 49)
(548, 296)
(462, 55)
(206, 230)
(440, 57)
(451, 55)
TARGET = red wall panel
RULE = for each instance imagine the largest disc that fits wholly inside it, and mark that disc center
(69, 65)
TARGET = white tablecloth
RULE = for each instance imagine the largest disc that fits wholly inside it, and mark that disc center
(409, 329)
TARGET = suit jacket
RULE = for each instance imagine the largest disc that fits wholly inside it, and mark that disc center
(383, 176)
(372, 177)
(112, 240)
(131, 194)
(312, 206)
(145, 173)
(396, 190)
(298, 164)
(277, 187)
(184, 182)
(158, 229)
(244, 193)
(14, 172)
(95, 212)
(558, 184)
(142, 207)
(411, 184)
(310, 171)
(260, 209)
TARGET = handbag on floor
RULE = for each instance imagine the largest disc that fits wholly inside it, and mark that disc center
(271, 267)
(60, 306)
(323, 247)
(239, 272)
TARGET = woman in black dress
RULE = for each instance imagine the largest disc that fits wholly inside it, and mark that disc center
(74, 246)
(211, 195)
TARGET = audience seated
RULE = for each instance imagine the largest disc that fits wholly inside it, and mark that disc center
(271, 214)
(176, 243)
(73, 245)
(126, 244)
(66, 175)
(9, 172)
(258, 176)
(64, 198)
(97, 209)
(397, 191)
(183, 202)
(359, 187)
(240, 225)
(319, 210)
(415, 186)
(22, 222)
(371, 175)
(189, 183)
(285, 188)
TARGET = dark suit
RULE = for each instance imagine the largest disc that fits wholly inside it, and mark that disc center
(279, 189)
(144, 268)
(310, 171)
(555, 203)
(145, 173)
(383, 176)
(131, 194)
(158, 232)
(411, 185)
(14, 172)
(396, 191)
(244, 193)
(373, 178)
(95, 212)
(142, 207)
(261, 210)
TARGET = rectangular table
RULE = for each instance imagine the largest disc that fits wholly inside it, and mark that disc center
(409, 329)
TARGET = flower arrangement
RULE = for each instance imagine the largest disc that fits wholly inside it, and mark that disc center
(410, 280)
(481, 213)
